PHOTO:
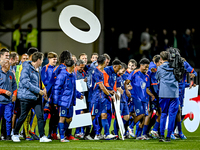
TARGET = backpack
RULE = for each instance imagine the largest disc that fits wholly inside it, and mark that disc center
(176, 62)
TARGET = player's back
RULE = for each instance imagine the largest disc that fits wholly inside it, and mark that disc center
(97, 77)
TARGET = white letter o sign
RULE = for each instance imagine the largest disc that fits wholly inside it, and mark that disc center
(73, 32)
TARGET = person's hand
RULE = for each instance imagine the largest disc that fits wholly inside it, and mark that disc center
(85, 80)
(191, 84)
(45, 97)
(8, 93)
(120, 91)
(45, 91)
(192, 75)
(81, 97)
(152, 98)
(113, 98)
(41, 92)
(117, 96)
(129, 87)
(153, 70)
(14, 98)
(111, 92)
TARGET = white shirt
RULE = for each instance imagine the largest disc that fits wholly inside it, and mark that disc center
(122, 41)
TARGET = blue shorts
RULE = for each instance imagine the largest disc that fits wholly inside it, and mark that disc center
(64, 112)
(131, 107)
(98, 108)
(124, 109)
(153, 105)
(140, 107)
(108, 104)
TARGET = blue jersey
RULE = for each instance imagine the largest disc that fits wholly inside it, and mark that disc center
(110, 78)
(87, 67)
(97, 77)
(126, 74)
(46, 74)
(55, 73)
(183, 83)
(153, 83)
(89, 73)
(79, 75)
(89, 79)
(120, 84)
(7, 83)
(139, 84)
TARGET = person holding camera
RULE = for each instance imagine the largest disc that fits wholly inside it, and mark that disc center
(168, 95)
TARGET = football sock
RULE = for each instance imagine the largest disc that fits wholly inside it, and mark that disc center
(132, 124)
(109, 118)
(45, 116)
(130, 120)
(105, 126)
(179, 128)
(145, 128)
(61, 127)
(139, 132)
(125, 124)
(77, 130)
(137, 126)
(116, 127)
(156, 126)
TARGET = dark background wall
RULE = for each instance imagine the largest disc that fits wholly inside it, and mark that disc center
(137, 15)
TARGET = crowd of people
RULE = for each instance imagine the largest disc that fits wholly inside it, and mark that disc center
(149, 92)
(149, 42)
(22, 40)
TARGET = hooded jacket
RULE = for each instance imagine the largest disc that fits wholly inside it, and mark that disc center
(29, 85)
(65, 89)
(7, 83)
(169, 87)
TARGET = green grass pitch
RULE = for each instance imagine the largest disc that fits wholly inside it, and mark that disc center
(193, 142)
